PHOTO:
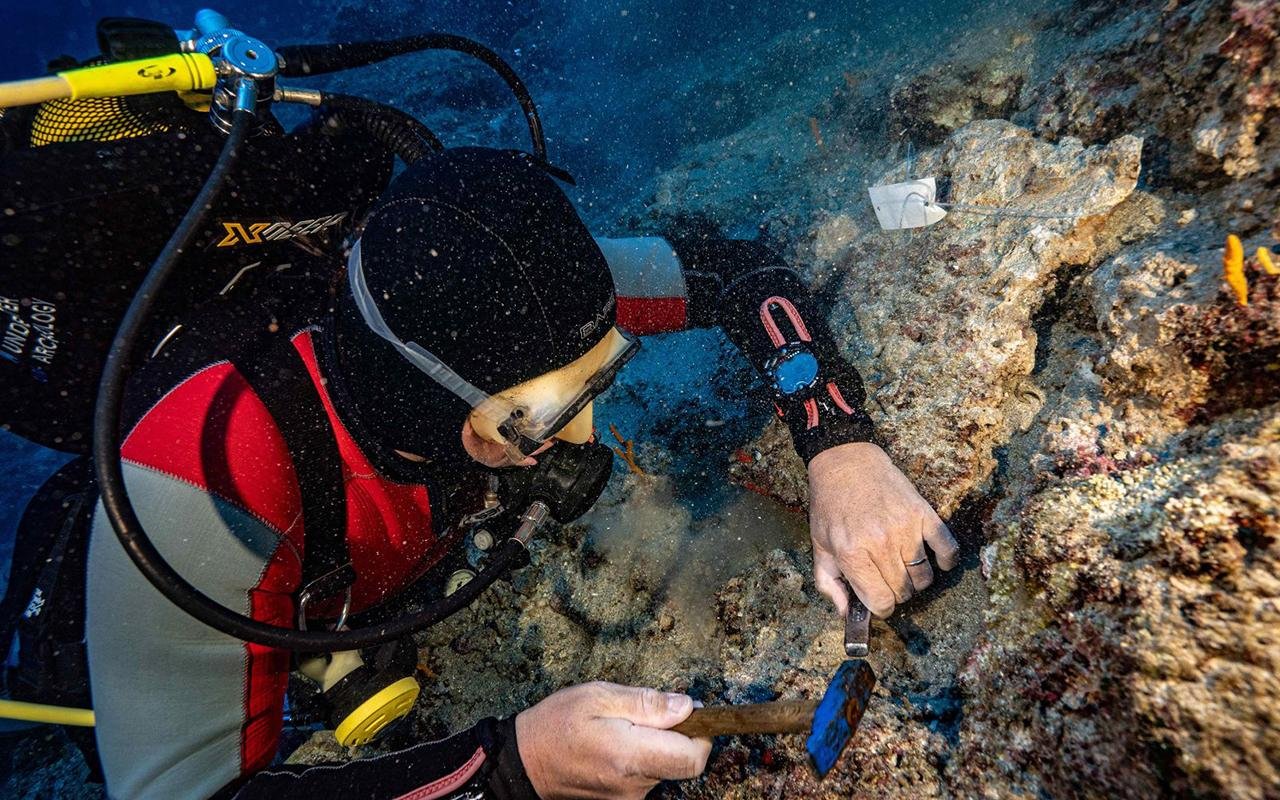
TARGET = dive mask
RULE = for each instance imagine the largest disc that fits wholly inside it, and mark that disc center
(557, 404)
(524, 417)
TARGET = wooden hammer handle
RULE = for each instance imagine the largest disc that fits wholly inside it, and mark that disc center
(782, 716)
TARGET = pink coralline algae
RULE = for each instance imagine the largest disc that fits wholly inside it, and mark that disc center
(1251, 43)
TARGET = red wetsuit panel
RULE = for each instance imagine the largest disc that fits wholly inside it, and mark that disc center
(266, 680)
(213, 432)
(648, 315)
(389, 532)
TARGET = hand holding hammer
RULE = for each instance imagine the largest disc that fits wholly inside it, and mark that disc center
(829, 723)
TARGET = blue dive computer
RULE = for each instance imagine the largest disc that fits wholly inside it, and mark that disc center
(793, 371)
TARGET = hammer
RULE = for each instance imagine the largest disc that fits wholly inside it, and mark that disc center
(829, 723)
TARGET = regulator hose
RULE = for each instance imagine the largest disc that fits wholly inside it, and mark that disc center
(110, 470)
(399, 132)
(302, 60)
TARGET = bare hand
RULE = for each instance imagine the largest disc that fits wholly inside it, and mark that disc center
(608, 741)
(869, 524)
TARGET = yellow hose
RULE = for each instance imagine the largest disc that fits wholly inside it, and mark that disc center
(54, 715)
(179, 72)
(36, 90)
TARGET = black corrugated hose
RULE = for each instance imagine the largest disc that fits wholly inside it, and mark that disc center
(399, 132)
(317, 59)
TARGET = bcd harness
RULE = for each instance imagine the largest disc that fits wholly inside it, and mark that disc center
(281, 380)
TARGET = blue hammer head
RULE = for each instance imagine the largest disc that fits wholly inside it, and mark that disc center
(839, 713)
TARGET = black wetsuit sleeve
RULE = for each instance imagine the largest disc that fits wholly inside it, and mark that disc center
(750, 292)
(480, 762)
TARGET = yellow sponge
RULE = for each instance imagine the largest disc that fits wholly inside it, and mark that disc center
(1233, 269)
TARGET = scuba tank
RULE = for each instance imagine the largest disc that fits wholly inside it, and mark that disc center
(55, 329)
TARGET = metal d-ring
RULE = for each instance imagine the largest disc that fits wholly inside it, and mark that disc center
(305, 598)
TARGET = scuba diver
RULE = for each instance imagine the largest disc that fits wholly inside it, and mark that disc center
(406, 372)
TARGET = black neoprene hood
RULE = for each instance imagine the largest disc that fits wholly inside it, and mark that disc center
(477, 256)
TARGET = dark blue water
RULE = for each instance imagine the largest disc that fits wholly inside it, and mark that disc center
(624, 86)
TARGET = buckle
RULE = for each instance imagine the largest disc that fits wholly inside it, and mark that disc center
(327, 585)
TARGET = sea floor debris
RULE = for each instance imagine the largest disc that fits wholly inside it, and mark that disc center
(625, 451)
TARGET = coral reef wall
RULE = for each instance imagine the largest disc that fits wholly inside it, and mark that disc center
(1088, 393)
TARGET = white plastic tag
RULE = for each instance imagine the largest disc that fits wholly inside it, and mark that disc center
(906, 205)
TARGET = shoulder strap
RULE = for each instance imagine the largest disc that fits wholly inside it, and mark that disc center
(281, 380)
(55, 515)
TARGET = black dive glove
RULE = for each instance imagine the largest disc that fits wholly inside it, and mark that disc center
(765, 309)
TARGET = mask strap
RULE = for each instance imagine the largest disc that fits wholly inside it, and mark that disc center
(422, 358)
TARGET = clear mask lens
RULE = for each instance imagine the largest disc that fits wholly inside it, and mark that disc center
(543, 407)
(524, 417)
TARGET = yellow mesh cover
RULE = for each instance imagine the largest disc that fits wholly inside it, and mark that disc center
(99, 119)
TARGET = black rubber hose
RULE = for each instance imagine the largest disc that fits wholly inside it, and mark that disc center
(301, 60)
(123, 517)
(401, 133)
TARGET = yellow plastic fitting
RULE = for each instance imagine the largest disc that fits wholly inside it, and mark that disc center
(376, 713)
(54, 715)
(178, 72)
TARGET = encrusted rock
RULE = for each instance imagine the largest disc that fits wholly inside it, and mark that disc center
(942, 323)
(769, 465)
(930, 106)
(1154, 54)
(1134, 614)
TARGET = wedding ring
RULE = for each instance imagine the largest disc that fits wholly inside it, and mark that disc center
(917, 562)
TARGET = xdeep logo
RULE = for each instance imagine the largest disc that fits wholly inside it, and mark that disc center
(238, 233)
